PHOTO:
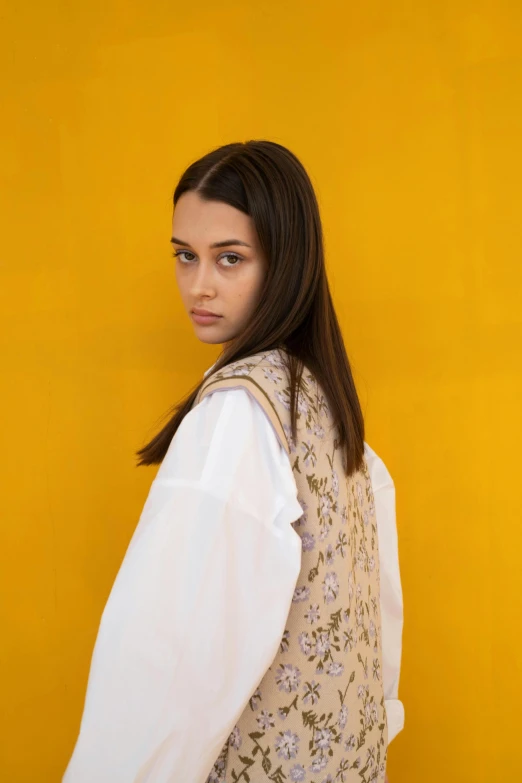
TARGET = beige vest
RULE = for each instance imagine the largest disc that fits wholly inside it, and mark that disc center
(318, 714)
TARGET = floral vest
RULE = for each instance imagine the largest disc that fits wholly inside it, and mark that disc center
(318, 715)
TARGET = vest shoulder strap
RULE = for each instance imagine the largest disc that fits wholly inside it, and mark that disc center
(246, 375)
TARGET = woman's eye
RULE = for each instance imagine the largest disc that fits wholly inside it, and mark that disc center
(182, 253)
(232, 255)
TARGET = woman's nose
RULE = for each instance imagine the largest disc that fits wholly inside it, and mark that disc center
(202, 280)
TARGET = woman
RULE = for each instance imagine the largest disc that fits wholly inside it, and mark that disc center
(254, 629)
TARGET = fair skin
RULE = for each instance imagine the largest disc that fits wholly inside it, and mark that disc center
(225, 280)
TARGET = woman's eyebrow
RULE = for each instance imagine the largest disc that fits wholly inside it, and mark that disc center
(223, 243)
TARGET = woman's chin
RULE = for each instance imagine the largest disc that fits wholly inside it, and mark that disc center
(210, 336)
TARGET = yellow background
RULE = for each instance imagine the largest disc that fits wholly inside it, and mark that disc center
(409, 120)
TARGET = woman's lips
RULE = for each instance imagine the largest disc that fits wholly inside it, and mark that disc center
(205, 319)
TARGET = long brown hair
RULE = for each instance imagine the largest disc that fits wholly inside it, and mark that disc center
(295, 311)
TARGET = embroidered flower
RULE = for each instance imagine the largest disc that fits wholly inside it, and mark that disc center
(323, 738)
(361, 559)
(330, 586)
(324, 530)
(287, 745)
(319, 432)
(335, 669)
(318, 764)
(342, 717)
(297, 773)
(348, 640)
(217, 773)
(265, 720)
(326, 505)
(309, 453)
(271, 375)
(235, 738)
(322, 645)
(301, 594)
(311, 691)
(285, 402)
(288, 677)
(341, 543)
(308, 541)
(302, 405)
(305, 642)
(275, 360)
(312, 615)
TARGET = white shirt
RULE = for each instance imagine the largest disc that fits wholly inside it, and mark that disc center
(209, 573)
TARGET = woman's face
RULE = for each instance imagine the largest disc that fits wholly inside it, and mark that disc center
(225, 280)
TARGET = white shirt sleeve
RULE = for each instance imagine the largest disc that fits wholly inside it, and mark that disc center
(391, 602)
(198, 609)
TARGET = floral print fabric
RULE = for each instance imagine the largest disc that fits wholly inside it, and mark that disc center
(318, 715)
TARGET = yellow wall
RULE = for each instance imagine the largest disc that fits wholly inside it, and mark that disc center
(408, 117)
